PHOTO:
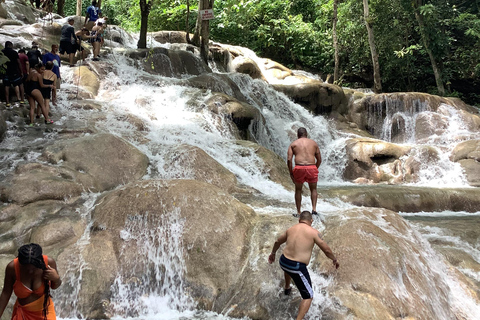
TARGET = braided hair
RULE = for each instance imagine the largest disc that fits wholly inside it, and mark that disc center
(32, 254)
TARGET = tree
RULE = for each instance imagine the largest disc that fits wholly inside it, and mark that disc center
(60, 5)
(145, 7)
(201, 37)
(79, 8)
(335, 40)
(426, 43)
(377, 87)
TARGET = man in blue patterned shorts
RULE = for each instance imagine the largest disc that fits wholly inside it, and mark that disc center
(300, 240)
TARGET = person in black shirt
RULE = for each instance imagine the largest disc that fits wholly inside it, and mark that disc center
(34, 55)
(67, 40)
(14, 74)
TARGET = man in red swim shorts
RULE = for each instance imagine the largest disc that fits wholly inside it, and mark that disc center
(307, 160)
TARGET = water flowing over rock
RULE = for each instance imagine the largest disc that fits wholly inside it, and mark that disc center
(216, 229)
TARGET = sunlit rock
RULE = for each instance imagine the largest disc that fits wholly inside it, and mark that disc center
(467, 153)
(21, 11)
(246, 65)
(109, 162)
(190, 162)
(374, 160)
(88, 81)
(273, 69)
(318, 97)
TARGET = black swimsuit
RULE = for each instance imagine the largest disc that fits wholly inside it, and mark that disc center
(30, 86)
(46, 92)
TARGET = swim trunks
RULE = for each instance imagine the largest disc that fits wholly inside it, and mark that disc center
(303, 174)
(299, 273)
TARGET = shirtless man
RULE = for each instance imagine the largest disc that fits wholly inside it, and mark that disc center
(307, 160)
(300, 240)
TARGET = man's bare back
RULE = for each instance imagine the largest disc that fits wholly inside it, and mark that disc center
(306, 152)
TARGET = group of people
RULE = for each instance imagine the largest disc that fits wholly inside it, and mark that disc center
(32, 75)
(92, 30)
(36, 76)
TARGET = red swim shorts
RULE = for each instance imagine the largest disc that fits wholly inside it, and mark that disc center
(303, 174)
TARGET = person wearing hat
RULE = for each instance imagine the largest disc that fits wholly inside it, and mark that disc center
(34, 55)
(67, 40)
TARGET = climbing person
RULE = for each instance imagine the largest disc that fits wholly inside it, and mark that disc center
(92, 15)
(13, 75)
(55, 58)
(34, 55)
(30, 276)
(79, 36)
(25, 70)
(67, 40)
(96, 39)
(50, 91)
(300, 240)
(307, 160)
(32, 88)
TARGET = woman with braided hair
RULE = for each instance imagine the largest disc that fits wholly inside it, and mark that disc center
(30, 276)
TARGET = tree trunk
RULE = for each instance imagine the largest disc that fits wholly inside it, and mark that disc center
(436, 70)
(145, 11)
(335, 41)
(187, 24)
(60, 5)
(377, 87)
(202, 4)
(79, 8)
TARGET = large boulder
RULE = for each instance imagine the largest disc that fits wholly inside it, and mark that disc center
(217, 82)
(467, 153)
(168, 63)
(169, 36)
(386, 269)
(318, 97)
(374, 160)
(102, 161)
(242, 114)
(35, 181)
(88, 81)
(190, 162)
(406, 198)
(246, 65)
(191, 221)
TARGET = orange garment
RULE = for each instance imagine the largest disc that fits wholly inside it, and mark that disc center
(20, 290)
(33, 310)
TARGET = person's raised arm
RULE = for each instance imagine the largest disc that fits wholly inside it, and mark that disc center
(7, 286)
(51, 274)
(318, 156)
(325, 248)
(282, 239)
(289, 161)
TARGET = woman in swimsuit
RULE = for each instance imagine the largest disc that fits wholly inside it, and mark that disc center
(96, 39)
(33, 84)
(49, 78)
(30, 276)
